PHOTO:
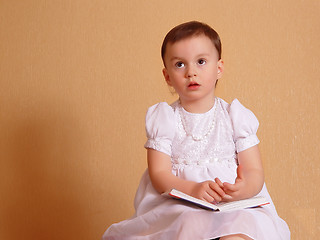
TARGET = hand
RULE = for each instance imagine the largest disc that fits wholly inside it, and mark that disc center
(209, 191)
(235, 191)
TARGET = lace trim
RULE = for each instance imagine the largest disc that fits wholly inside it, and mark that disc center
(178, 163)
(245, 143)
(160, 145)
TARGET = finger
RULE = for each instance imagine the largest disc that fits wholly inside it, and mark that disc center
(227, 198)
(228, 187)
(216, 192)
(214, 197)
(216, 187)
(207, 197)
(217, 180)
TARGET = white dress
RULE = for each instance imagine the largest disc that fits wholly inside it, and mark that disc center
(202, 147)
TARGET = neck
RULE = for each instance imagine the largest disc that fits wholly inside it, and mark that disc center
(197, 106)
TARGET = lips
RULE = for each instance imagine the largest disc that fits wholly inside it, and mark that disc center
(193, 85)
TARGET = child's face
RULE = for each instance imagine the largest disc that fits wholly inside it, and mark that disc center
(192, 68)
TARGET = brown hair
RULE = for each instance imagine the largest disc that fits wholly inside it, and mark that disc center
(190, 29)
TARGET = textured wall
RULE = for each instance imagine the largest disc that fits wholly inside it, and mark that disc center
(76, 78)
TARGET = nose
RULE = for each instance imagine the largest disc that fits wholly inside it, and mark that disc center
(191, 71)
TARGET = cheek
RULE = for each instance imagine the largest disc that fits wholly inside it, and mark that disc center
(213, 74)
(173, 77)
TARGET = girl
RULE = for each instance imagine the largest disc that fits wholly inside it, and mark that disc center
(202, 146)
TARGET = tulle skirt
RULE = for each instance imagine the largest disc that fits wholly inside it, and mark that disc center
(161, 218)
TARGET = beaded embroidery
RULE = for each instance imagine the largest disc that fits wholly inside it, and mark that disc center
(184, 124)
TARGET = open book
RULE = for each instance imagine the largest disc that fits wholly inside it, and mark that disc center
(257, 201)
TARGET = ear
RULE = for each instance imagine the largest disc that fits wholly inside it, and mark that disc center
(220, 66)
(166, 76)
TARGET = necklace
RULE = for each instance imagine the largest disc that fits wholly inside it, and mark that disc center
(198, 138)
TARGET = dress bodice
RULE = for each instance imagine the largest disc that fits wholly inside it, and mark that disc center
(198, 139)
(202, 138)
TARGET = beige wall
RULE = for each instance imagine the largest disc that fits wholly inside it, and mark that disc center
(76, 78)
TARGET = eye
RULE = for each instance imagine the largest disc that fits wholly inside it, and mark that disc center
(179, 64)
(202, 61)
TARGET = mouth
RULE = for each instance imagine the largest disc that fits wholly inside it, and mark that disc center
(193, 85)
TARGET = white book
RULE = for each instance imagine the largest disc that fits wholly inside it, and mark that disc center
(257, 201)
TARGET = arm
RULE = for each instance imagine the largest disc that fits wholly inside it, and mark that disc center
(159, 167)
(250, 176)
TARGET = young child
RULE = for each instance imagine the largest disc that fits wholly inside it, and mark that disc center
(202, 146)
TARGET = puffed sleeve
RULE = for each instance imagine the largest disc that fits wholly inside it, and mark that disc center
(245, 126)
(160, 127)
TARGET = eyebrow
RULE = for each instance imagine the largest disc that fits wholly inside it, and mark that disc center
(198, 56)
(174, 58)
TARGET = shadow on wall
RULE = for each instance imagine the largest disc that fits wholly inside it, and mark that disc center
(45, 185)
